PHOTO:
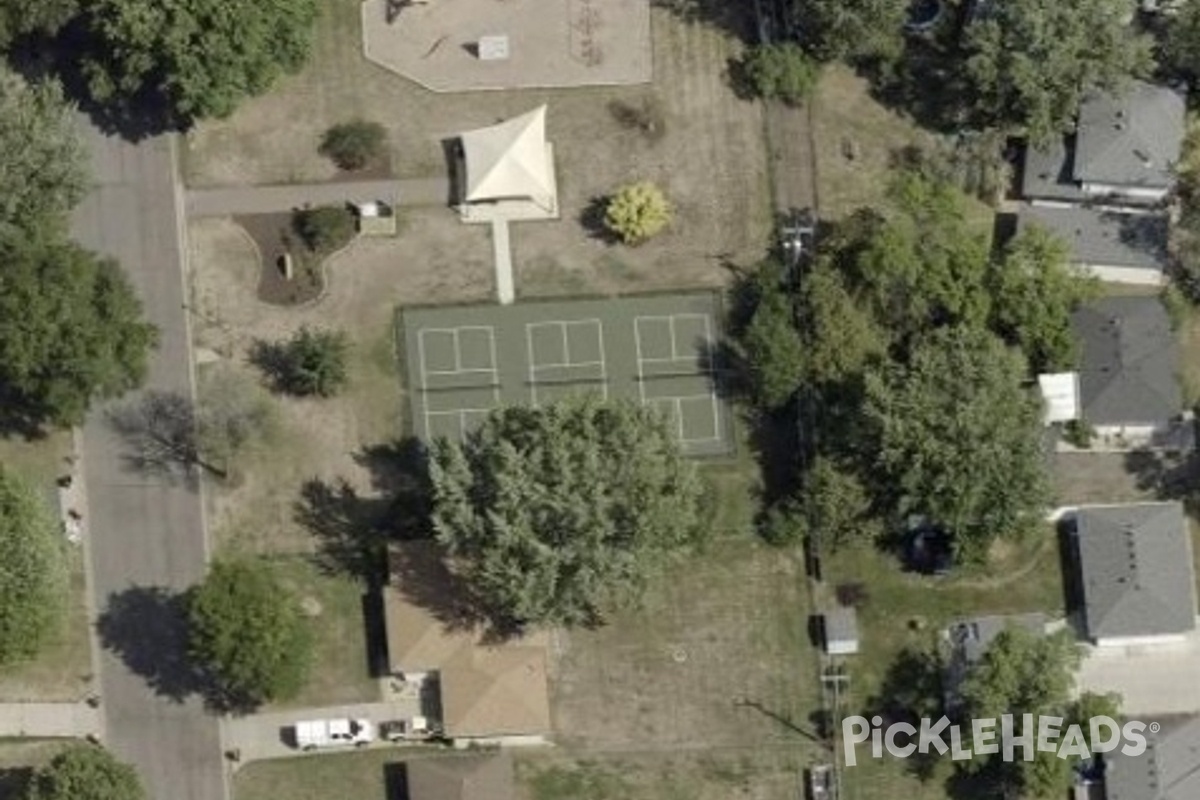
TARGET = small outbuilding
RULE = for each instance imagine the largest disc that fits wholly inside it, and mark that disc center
(841, 631)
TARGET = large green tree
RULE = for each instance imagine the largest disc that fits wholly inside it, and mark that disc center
(769, 343)
(85, 772)
(1035, 289)
(851, 29)
(1031, 62)
(33, 571)
(248, 635)
(43, 166)
(558, 513)
(198, 57)
(1023, 673)
(20, 17)
(957, 436)
(71, 331)
(1182, 46)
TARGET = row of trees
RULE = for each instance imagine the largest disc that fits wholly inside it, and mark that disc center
(177, 60)
(907, 346)
(1021, 65)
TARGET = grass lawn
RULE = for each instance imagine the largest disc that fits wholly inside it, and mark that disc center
(708, 156)
(340, 671)
(856, 140)
(713, 775)
(63, 669)
(363, 776)
(904, 610)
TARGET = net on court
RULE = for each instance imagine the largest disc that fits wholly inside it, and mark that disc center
(464, 361)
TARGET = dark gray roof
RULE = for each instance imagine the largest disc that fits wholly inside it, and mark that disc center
(1101, 237)
(1130, 139)
(973, 636)
(1129, 361)
(1136, 564)
(1048, 173)
(1168, 770)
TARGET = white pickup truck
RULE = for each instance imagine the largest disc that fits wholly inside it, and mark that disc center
(317, 733)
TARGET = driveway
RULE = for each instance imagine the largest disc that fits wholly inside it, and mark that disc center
(269, 735)
(146, 532)
(1153, 681)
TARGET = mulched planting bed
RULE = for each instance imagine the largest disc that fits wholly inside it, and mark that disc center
(275, 236)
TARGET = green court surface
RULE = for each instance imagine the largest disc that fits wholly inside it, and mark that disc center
(463, 361)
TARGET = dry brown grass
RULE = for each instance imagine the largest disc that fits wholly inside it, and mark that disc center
(717, 658)
(710, 160)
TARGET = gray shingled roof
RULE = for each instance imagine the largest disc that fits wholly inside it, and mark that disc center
(1168, 770)
(1049, 173)
(1131, 139)
(1101, 237)
(1136, 564)
(1129, 362)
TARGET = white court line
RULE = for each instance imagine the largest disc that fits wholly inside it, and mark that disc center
(529, 364)
(712, 377)
(603, 359)
(424, 390)
(426, 373)
(637, 343)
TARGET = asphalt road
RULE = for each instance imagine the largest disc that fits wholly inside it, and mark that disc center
(146, 530)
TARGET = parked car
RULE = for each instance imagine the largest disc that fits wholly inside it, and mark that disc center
(397, 730)
(820, 783)
(319, 733)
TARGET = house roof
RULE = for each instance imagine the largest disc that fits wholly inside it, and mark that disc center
(1101, 237)
(487, 777)
(493, 691)
(1169, 769)
(1048, 172)
(972, 637)
(1136, 564)
(417, 639)
(1129, 362)
(510, 161)
(1132, 138)
(487, 688)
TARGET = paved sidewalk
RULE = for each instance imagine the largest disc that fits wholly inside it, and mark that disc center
(230, 200)
(49, 720)
(269, 735)
(502, 254)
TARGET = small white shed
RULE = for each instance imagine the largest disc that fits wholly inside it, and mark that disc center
(841, 631)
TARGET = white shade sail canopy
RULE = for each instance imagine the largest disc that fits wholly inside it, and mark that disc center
(510, 161)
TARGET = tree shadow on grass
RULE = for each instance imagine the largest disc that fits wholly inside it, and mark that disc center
(146, 627)
(592, 221)
(15, 782)
(352, 529)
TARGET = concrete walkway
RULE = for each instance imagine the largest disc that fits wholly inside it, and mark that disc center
(229, 200)
(259, 736)
(49, 720)
(502, 256)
